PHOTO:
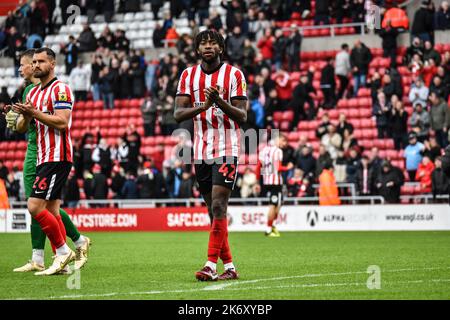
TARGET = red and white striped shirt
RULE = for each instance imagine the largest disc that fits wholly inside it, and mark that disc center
(270, 158)
(53, 145)
(215, 133)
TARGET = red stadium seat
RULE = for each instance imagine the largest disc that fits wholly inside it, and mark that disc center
(277, 116)
(98, 105)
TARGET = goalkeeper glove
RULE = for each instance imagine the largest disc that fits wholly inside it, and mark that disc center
(11, 120)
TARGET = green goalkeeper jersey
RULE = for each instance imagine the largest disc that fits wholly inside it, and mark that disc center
(32, 144)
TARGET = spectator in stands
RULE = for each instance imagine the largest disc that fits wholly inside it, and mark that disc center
(323, 126)
(343, 125)
(423, 174)
(389, 182)
(87, 184)
(71, 191)
(248, 60)
(106, 82)
(133, 142)
(443, 17)
(300, 185)
(79, 81)
(137, 77)
(117, 182)
(389, 35)
(108, 10)
(37, 20)
(390, 87)
(363, 178)
(438, 87)
(121, 41)
(156, 6)
(415, 48)
(168, 123)
(413, 155)
(423, 23)
(279, 49)
(103, 157)
(396, 17)
(265, 46)
(99, 184)
(360, 58)
(322, 15)
(174, 179)
(399, 125)
(430, 53)
(328, 189)
(96, 67)
(432, 149)
(322, 160)
(257, 108)
(3, 171)
(418, 93)
(349, 142)
(148, 110)
(71, 52)
(341, 9)
(130, 188)
(381, 110)
(342, 69)
(293, 46)
(120, 153)
(304, 160)
(440, 183)
(353, 164)
(235, 43)
(87, 41)
(440, 118)
(328, 85)
(147, 183)
(420, 118)
(340, 167)
(159, 34)
(332, 141)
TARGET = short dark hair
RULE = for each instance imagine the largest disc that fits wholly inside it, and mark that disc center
(209, 34)
(49, 52)
(27, 53)
(344, 46)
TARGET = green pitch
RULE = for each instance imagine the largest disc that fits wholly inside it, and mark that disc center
(308, 265)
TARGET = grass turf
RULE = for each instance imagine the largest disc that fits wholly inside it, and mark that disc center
(308, 265)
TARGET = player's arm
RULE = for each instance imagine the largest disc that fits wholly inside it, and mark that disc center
(282, 168)
(59, 120)
(23, 122)
(237, 110)
(183, 108)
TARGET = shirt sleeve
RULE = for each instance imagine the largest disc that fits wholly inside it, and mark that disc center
(183, 88)
(62, 97)
(238, 86)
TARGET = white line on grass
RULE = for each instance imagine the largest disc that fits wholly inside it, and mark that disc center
(226, 285)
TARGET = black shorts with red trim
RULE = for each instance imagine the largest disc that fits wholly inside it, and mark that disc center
(219, 171)
(50, 180)
(274, 193)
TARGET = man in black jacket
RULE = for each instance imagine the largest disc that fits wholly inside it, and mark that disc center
(359, 60)
(389, 43)
(389, 182)
(446, 164)
(328, 85)
(423, 24)
(440, 182)
(99, 184)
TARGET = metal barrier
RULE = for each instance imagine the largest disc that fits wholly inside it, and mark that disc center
(332, 27)
(424, 198)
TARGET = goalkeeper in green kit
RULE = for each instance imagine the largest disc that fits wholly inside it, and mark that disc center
(20, 124)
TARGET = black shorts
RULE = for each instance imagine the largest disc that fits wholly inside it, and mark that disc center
(275, 194)
(50, 179)
(220, 171)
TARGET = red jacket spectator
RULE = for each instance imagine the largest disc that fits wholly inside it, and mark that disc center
(428, 72)
(265, 45)
(423, 174)
(284, 85)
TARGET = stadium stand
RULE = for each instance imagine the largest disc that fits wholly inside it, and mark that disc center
(139, 28)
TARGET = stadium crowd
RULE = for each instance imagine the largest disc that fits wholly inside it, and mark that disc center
(268, 57)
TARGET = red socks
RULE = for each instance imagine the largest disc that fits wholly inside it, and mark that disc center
(62, 228)
(217, 236)
(225, 253)
(49, 224)
(270, 222)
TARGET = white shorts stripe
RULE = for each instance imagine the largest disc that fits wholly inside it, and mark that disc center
(52, 183)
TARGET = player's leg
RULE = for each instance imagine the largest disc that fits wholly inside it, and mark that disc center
(38, 236)
(81, 242)
(44, 204)
(270, 218)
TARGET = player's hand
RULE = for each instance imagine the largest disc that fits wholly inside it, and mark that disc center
(26, 109)
(4, 109)
(390, 184)
(290, 165)
(11, 120)
(212, 94)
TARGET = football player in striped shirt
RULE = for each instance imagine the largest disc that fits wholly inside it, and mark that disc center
(50, 105)
(18, 123)
(213, 94)
(270, 168)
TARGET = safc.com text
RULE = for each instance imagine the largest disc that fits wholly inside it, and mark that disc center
(411, 217)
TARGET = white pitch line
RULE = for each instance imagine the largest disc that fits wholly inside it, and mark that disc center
(224, 285)
(154, 292)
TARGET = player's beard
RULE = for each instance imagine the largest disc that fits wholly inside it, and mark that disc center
(211, 58)
(41, 73)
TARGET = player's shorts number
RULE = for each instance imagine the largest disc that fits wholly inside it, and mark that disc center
(224, 170)
(42, 184)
